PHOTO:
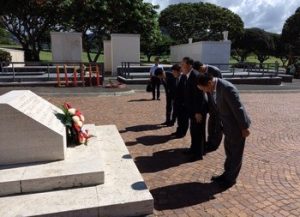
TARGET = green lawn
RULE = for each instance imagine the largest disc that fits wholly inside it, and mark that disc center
(46, 56)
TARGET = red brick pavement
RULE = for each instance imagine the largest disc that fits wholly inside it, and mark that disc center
(269, 182)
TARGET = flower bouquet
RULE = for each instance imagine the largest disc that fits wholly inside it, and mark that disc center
(73, 120)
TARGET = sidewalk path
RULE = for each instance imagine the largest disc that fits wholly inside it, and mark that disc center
(269, 182)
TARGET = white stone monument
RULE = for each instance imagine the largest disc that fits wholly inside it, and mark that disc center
(74, 186)
(209, 52)
(121, 48)
(107, 56)
(225, 35)
(30, 131)
(66, 46)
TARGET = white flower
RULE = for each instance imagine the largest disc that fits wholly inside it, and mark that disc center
(72, 111)
(75, 119)
(79, 123)
(82, 118)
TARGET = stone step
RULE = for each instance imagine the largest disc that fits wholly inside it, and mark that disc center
(124, 192)
(83, 166)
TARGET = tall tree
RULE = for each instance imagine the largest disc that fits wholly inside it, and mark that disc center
(200, 21)
(259, 42)
(291, 34)
(159, 46)
(28, 20)
(281, 48)
(97, 19)
(240, 49)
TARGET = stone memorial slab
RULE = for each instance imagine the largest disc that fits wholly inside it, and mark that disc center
(124, 192)
(66, 46)
(30, 130)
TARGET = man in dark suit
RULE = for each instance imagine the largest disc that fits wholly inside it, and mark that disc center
(179, 109)
(214, 129)
(169, 83)
(196, 108)
(235, 122)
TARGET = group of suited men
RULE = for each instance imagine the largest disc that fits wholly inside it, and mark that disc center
(194, 90)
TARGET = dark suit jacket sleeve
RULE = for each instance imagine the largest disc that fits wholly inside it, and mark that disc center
(232, 97)
(199, 99)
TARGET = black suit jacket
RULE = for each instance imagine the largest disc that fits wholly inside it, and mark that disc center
(194, 100)
(170, 84)
(179, 91)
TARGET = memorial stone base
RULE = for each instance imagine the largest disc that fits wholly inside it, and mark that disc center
(100, 179)
(123, 193)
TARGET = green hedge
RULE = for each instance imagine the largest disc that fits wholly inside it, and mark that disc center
(5, 57)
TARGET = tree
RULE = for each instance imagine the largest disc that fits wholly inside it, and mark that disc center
(200, 21)
(259, 42)
(291, 33)
(28, 20)
(4, 36)
(281, 49)
(156, 47)
(97, 19)
(240, 49)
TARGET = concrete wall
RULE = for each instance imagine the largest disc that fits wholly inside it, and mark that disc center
(107, 56)
(124, 47)
(16, 56)
(209, 52)
(66, 46)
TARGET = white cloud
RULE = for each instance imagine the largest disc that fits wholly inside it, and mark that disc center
(269, 15)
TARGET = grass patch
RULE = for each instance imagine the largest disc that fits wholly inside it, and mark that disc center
(46, 56)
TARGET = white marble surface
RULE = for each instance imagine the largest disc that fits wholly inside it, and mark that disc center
(124, 192)
(83, 166)
(66, 46)
(29, 131)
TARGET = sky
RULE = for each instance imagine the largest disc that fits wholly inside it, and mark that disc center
(269, 15)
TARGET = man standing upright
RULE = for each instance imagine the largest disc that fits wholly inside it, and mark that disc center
(235, 122)
(179, 109)
(169, 82)
(155, 81)
(196, 109)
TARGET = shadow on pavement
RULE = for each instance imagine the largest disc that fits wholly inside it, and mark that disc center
(184, 195)
(154, 140)
(161, 160)
(139, 128)
(139, 100)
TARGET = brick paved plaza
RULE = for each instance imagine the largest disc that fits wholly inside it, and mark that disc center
(269, 182)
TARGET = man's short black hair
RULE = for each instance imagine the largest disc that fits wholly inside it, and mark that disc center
(197, 65)
(188, 60)
(203, 79)
(158, 71)
(176, 67)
